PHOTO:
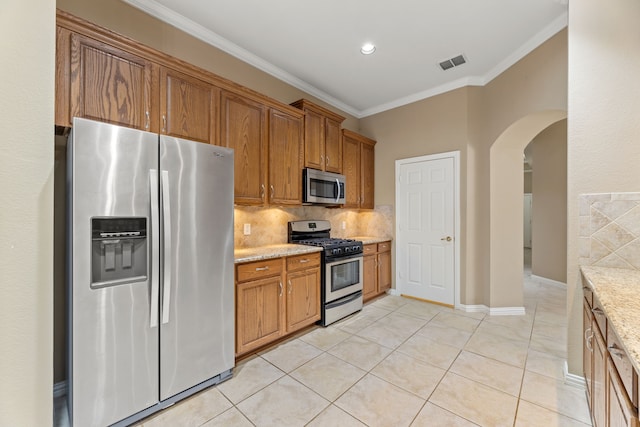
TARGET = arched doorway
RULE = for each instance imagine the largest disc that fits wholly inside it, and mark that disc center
(506, 209)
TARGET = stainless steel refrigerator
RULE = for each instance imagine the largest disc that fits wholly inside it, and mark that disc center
(151, 295)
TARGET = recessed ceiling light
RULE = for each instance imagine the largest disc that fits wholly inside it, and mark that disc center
(368, 48)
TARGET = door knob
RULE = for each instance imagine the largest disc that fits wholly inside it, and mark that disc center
(448, 238)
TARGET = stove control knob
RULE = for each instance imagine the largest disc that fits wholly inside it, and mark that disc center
(335, 251)
(347, 249)
(355, 248)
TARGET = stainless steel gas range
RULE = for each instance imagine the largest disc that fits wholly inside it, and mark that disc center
(341, 283)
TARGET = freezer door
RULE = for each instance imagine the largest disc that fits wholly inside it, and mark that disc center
(197, 304)
(113, 370)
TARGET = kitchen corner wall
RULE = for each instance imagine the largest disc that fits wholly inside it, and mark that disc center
(610, 230)
(269, 225)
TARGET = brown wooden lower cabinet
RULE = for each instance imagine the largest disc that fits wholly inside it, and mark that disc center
(376, 269)
(612, 393)
(274, 298)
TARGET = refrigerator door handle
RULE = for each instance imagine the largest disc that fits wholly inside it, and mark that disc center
(155, 248)
(166, 261)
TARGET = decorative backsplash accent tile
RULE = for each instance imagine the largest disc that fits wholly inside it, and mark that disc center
(610, 230)
(269, 225)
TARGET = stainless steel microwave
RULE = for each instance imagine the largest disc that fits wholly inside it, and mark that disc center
(324, 188)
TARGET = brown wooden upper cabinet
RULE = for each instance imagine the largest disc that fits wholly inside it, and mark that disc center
(285, 157)
(188, 106)
(322, 141)
(100, 82)
(358, 163)
(243, 127)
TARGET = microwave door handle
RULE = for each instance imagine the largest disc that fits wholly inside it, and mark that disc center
(337, 190)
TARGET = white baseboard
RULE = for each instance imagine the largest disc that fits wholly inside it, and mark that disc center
(550, 282)
(573, 379)
(507, 311)
(478, 308)
(59, 389)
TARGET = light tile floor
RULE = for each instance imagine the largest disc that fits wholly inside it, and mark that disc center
(402, 362)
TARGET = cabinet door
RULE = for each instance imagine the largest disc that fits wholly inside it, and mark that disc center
(369, 277)
(188, 107)
(384, 271)
(587, 350)
(598, 399)
(621, 411)
(351, 171)
(259, 308)
(313, 140)
(243, 125)
(109, 85)
(285, 158)
(332, 146)
(367, 153)
(303, 298)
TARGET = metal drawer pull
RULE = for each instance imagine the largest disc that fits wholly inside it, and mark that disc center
(303, 261)
(280, 289)
(262, 268)
(614, 350)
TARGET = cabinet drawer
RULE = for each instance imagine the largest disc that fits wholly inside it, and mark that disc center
(384, 246)
(258, 269)
(623, 365)
(369, 249)
(599, 316)
(299, 262)
(588, 295)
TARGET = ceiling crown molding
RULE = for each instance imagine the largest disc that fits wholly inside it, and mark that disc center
(167, 15)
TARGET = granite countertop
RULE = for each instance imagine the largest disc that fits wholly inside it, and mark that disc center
(367, 240)
(618, 290)
(272, 251)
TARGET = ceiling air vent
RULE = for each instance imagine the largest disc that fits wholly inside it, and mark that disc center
(453, 62)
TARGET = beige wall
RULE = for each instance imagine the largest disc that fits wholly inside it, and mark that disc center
(26, 233)
(129, 21)
(603, 127)
(549, 211)
(470, 120)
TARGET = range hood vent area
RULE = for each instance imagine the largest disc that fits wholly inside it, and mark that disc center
(453, 62)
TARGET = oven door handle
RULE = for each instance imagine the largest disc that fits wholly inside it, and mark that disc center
(341, 259)
(344, 301)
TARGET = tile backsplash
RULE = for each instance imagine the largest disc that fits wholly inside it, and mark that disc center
(269, 225)
(610, 230)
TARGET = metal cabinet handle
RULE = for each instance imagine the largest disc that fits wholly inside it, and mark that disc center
(321, 159)
(262, 268)
(304, 261)
(164, 123)
(327, 161)
(289, 287)
(587, 339)
(146, 126)
(272, 191)
(615, 351)
(280, 289)
(262, 191)
(448, 238)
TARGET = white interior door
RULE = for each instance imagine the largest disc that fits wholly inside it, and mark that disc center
(426, 194)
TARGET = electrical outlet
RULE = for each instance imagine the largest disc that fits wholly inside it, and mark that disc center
(247, 229)
(343, 225)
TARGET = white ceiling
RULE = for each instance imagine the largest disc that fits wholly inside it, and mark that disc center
(316, 46)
